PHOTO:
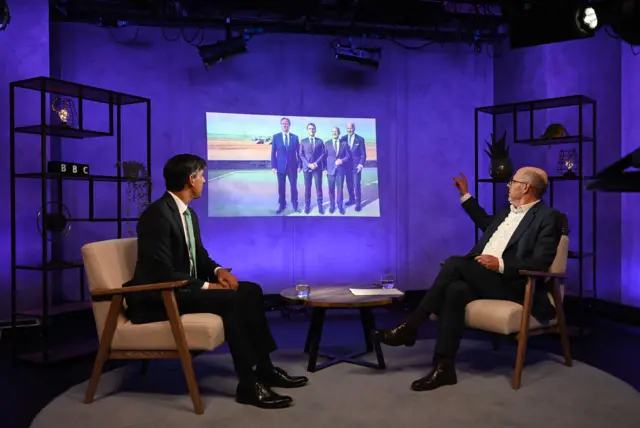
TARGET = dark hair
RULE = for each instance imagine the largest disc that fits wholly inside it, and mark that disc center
(311, 124)
(179, 168)
(287, 119)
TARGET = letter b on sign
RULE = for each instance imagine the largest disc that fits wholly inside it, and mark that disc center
(68, 168)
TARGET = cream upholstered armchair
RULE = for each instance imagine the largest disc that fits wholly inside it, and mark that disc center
(108, 265)
(506, 318)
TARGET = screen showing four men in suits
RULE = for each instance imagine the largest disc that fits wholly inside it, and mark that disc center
(266, 165)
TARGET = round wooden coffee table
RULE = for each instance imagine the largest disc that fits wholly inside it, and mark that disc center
(323, 298)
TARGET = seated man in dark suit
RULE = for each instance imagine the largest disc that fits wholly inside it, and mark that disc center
(522, 236)
(170, 249)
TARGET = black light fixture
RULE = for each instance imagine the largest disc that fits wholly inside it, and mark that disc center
(223, 49)
(5, 15)
(364, 56)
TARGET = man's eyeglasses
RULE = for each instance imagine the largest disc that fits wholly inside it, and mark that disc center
(516, 181)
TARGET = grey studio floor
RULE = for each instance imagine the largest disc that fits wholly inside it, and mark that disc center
(601, 389)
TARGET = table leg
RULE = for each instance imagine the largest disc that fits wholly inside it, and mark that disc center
(314, 336)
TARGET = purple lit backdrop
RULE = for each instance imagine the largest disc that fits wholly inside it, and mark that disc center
(423, 102)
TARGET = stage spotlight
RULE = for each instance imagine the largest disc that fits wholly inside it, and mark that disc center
(5, 15)
(224, 49)
(364, 56)
(587, 19)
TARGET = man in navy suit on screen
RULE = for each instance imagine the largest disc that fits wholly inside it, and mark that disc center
(355, 164)
(337, 156)
(312, 157)
(285, 163)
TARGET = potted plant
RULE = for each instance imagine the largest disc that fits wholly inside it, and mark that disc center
(501, 166)
(138, 189)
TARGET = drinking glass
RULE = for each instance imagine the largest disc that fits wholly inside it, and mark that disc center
(387, 281)
(302, 291)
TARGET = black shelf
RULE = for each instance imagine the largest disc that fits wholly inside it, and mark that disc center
(551, 178)
(90, 93)
(581, 104)
(52, 188)
(104, 178)
(53, 265)
(570, 139)
(58, 309)
(61, 131)
(544, 104)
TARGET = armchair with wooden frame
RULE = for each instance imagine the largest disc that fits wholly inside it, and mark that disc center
(513, 320)
(108, 265)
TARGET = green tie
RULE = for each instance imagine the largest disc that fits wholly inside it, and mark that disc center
(191, 239)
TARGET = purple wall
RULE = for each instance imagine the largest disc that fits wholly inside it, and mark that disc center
(423, 102)
(568, 69)
(630, 202)
(24, 53)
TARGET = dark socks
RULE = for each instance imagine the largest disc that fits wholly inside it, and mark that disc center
(265, 365)
(416, 318)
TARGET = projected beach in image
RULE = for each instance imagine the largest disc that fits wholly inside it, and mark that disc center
(241, 182)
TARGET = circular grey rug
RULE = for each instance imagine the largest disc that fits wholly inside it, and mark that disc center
(552, 395)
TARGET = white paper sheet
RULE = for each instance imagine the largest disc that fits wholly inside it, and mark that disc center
(376, 292)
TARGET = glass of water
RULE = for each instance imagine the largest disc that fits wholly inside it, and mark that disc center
(302, 291)
(387, 281)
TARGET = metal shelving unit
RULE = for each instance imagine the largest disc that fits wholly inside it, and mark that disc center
(50, 261)
(581, 140)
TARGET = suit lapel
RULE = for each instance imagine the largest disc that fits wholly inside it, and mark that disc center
(524, 224)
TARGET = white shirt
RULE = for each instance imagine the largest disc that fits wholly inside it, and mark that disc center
(182, 207)
(285, 138)
(500, 238)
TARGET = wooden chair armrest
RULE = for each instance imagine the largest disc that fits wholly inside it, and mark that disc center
(539, 274)
(138, 288)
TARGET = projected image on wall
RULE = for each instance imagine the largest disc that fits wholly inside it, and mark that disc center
(262, 166)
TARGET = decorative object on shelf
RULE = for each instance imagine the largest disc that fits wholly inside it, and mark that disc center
(68, 168)
(501, 166)
(138, 188)
(66, 111)
(555, 130)
(568, 163)
(54, 218)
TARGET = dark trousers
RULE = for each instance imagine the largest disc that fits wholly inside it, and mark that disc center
(354, 180)
(461, 281)
(292, 174)
(245, 324)
(312, 175)
(336, 180)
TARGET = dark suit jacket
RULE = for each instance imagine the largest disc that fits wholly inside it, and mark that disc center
(358, 151)
(310, 154)
(331, 156)
(163, 256)
(533, 245)
(283, 159)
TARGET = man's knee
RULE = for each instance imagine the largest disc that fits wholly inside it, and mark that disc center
(452, 263)
(249, 288)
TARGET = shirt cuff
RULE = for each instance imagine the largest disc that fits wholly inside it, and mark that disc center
(465, 197)
(205, 286)
(500, 265)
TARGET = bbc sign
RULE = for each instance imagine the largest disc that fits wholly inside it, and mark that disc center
(68, 168)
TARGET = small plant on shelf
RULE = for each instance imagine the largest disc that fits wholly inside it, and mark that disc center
(138, 189)
(501, 166)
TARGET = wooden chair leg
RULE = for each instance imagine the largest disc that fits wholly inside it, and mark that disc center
(105, 347)
(562, 324)
(180, 338)
(524, 332)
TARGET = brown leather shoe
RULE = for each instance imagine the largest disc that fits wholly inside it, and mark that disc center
(442, 374)
(404, 334)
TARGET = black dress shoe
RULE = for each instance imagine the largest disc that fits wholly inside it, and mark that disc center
(280, 210)
(279, 378)
(404, 334)
(258, 394)
(442, 374)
